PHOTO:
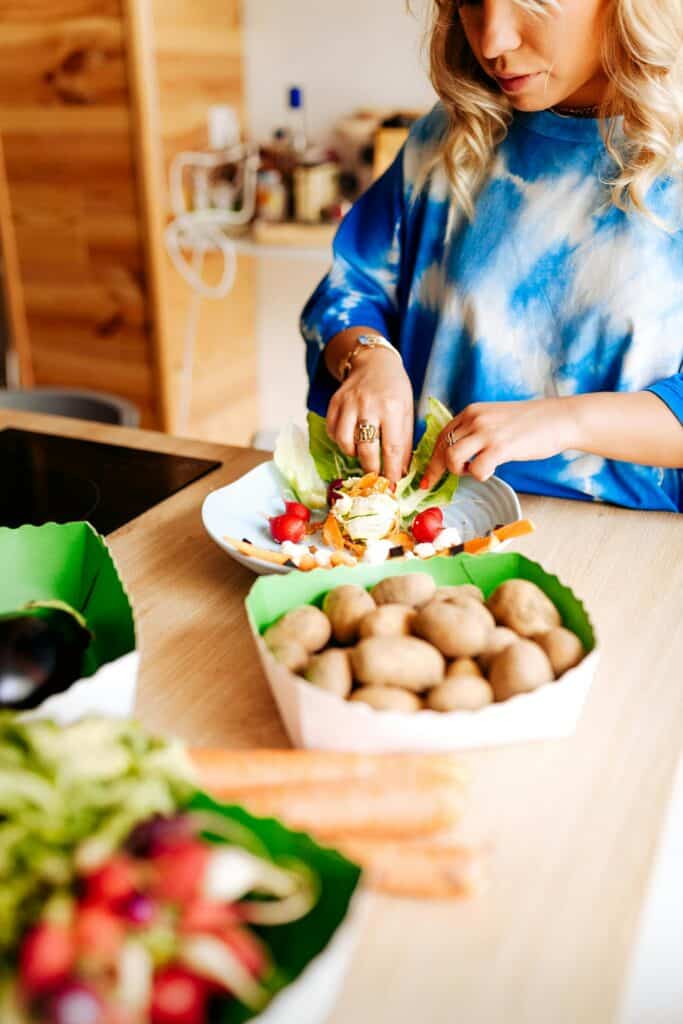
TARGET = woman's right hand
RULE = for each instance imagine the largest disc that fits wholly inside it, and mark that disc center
(376, 392)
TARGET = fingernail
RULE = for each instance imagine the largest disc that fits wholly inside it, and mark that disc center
(424, 484)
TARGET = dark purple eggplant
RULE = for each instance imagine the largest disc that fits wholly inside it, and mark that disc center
(42, 648)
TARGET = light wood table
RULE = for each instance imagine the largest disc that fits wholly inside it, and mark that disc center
(573, 824)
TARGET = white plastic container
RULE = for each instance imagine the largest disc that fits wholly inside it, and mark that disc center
(318, 720)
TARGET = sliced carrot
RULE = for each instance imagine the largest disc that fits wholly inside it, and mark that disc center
(478, 545)
(254, 552)
(518, 529)
(332, 535)
(401, 539)
(366, 485)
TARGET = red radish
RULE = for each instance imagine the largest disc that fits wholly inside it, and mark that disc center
(178, 997)
(77, 1003)
(247, 948)
(113, 883)
(98, 935)
(334, 491)
(179, 871)
(295, 508)
(427, 525)
(139, 909)
(203, 916)
(158, 832)
(287, 527)
(46, 957)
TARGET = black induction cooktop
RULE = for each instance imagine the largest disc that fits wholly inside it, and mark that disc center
(45, 478)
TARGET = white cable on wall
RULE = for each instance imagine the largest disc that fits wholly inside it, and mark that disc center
(191, 235)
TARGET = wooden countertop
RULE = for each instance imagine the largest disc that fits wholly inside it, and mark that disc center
(573, 824)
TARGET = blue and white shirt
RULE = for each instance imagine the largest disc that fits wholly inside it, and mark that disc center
(551, 290)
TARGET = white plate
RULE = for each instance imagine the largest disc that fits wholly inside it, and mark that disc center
(241, 511)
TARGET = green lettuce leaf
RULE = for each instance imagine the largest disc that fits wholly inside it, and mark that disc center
(307, 471)
(329, 459)
(293, 458)
(411, 499)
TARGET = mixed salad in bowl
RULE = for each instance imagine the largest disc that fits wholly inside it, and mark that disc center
(127, 898)
(360, 516)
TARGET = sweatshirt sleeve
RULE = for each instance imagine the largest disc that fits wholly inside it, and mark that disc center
(361, 288)
(670, 390)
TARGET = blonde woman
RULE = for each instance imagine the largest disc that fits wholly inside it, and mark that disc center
(522, 260)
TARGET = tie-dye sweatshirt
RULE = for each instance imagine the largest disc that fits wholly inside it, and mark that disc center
(550, 290)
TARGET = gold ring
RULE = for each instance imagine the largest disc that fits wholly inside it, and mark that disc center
(367, 432)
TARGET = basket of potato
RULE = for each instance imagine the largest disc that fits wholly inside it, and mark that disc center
(461, 652)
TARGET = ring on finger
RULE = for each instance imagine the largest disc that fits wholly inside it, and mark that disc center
(367, 433)
(452, 437)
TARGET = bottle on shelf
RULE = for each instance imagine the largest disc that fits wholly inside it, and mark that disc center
(296, 121)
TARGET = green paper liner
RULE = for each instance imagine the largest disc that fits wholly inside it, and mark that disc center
(295, 945)
(272, 596)
(69, 562)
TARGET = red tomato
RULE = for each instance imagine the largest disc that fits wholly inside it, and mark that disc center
(46, 957)
(99, 935)
(179, 871)
(295, 508)
(287, 527)
(178, 997)
(427, 525)
(113, 883)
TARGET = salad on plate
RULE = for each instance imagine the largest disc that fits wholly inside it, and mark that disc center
(336, 514)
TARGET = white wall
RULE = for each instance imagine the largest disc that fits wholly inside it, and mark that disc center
(348, 54)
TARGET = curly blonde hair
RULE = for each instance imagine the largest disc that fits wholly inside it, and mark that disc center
(642, 54)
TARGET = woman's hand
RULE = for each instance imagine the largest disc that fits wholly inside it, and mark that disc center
(486, 434)
(376, 392)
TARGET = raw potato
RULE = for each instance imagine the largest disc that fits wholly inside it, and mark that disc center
(292, 655)
(455, 630)
(397, 661)
(463, 667)
(519, 668)
(387, 698)
(345, 607)
(523, 606)
(501, 638)
(463, 693)
(563, 647)
(307, 626)
(388, 620)
(458, 593)
(414, 589)
(331, 671)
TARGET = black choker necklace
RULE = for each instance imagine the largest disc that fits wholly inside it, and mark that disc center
(576, 111)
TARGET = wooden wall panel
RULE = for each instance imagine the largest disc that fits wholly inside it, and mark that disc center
(96, 97)
(67, 129)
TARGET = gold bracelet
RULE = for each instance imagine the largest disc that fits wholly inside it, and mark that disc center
(364, 343)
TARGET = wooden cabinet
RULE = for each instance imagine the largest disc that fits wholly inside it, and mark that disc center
(96, 96)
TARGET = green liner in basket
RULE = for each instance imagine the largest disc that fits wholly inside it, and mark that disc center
(296, 944)
(69, 562)
(272, 596)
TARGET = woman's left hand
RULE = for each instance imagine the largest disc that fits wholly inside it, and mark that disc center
(486, 434)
